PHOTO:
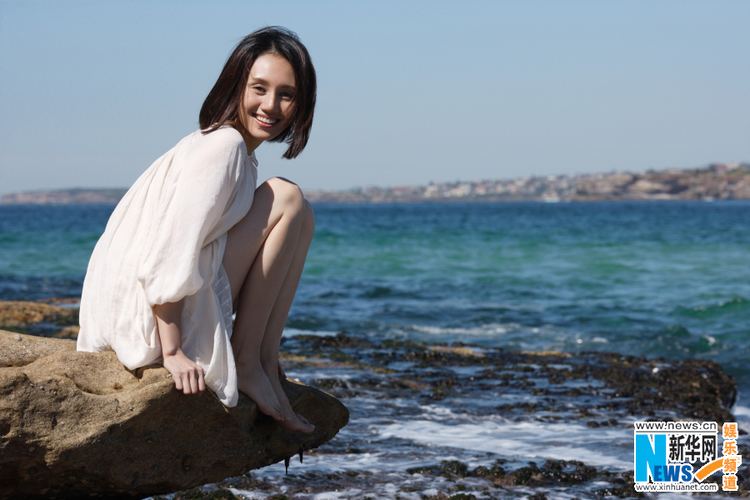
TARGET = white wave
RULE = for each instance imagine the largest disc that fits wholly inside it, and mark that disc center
(528, 440)
(742, 414)
(490, 329)
(314, 374)
(291, 332)
(383, 461)
(511, 331)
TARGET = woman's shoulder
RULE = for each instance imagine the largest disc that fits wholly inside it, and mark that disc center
(222, 150)
(224, 138)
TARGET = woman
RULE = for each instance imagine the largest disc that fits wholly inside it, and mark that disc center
(194, 241)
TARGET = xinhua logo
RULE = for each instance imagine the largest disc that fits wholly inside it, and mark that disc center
(680, 456)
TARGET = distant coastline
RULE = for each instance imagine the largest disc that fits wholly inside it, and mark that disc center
(717, 181)
(64, 196)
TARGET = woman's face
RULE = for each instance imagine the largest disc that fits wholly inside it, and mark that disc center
(268, 101)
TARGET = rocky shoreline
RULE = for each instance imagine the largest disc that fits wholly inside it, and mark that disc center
(406, 398)
(600, 391)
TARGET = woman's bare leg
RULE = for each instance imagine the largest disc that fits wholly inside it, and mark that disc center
(269, 353)
(259, 255)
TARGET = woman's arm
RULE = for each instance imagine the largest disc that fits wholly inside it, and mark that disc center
(168, 323)
(187, 375)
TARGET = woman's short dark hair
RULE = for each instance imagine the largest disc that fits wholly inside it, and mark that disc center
(222, 105)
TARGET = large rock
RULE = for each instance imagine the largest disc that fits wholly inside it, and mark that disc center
(75, 423)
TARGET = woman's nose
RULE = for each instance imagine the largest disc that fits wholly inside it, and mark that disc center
(270, 102)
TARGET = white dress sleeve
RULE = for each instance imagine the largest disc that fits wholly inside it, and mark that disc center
(169, 270)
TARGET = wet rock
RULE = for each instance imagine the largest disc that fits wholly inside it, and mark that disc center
(38, 318)
(599, 388)
(496, 472)
(75, 423)
(551, 473)
(69, 332)
(555, 472)
(453, 468)
(462, 496)
(339, 340)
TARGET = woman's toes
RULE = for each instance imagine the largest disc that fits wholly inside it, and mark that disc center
(306, 425)
(304, 420)
(271, 411)
(296, 423)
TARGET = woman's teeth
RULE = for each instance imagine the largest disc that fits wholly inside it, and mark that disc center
(267, 121)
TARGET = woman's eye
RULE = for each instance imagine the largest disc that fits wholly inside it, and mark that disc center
(287, 97)
(259, 90)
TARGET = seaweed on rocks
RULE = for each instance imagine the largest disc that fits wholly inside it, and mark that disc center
(602, 386)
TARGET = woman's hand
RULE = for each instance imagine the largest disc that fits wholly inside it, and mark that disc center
(187, 375)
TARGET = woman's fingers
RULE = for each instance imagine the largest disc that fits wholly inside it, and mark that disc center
(193, 381)
(189, 378)
(201, 380)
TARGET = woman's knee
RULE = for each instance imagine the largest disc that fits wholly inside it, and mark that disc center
(287, 193)
(308, 224)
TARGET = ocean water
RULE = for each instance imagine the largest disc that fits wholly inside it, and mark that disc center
(668, 279)
(651, 278)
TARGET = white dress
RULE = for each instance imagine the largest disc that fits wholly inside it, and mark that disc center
(164, 242)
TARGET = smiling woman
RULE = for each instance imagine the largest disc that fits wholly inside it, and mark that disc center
(277, 88)
(195, 240)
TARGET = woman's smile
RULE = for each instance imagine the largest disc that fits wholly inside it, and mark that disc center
(265, 121)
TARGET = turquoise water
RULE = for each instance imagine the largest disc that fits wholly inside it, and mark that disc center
(646, 278)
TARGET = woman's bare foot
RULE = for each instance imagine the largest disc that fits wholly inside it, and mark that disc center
(282, 377)
(294, 421)
(262, 389)
(254, 383)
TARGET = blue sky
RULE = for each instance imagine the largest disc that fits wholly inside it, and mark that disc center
(92, 92)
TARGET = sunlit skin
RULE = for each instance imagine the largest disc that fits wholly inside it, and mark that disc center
(276, 235)
(264, 258)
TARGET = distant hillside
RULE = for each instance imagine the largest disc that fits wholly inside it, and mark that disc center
(64, 196)
(718, 181)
